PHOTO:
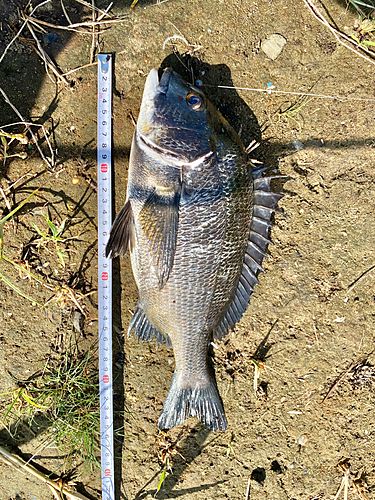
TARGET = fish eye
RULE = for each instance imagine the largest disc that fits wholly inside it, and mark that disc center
(195, 101)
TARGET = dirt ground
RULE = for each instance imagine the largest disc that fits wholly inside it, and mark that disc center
(311, 419)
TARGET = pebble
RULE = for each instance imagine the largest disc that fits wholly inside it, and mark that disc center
(78, 321)
(273, 45)
(50, 38)
(298, 145)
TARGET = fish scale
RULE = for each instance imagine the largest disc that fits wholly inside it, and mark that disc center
(182, 306)
(197, 223)
(237, 218)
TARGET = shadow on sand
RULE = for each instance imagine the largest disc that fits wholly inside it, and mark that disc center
(188, 450)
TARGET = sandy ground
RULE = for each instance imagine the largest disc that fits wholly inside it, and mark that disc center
(313, 311)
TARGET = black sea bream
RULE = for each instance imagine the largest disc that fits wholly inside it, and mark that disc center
(197, 224)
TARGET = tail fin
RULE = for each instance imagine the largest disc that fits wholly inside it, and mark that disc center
(201, 402)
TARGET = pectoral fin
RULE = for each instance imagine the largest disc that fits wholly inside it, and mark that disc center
(121, 236)
(159, 221)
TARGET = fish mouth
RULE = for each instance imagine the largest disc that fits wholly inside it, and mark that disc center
(154, 86)
(151, 86)
(155, 132)
(152, 89)
(157, 85)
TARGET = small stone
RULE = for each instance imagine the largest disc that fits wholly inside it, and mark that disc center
(78, 321)
(298, 145)
(50, 38)
(273, 45)
(339, 319)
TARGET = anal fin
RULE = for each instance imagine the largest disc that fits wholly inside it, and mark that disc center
(145, 330)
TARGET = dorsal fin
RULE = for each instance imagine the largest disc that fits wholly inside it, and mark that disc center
(144, 329)
(265, 202)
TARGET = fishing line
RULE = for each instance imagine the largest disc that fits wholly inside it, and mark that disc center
(271, 90)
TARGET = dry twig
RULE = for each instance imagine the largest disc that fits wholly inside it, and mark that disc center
(94, 36)
(48, 63)
(40, 23)
(50, 161)
(75, 26)
(344, 485)
(20, 30)
(103, 13)
(6, 201)
(80, 67)
(59, 488)
(247, 495)
(344, 373)
(360, 277)
(65, 12)
(356, 479)
(95, 63)
(337, 381)
(341, 37)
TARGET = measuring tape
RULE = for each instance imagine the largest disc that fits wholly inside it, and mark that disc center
(104, 152)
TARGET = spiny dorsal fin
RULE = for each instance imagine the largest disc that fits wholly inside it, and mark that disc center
(159, 221)
(122, 233)
(144, 329)
(265, 202)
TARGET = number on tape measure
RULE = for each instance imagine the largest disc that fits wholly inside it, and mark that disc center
(104, 159)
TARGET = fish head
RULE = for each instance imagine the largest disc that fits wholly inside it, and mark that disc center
(176, 121)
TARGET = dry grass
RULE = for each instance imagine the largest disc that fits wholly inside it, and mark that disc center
(65, 393)
(345, 40)
(59, 488)
(350, 478)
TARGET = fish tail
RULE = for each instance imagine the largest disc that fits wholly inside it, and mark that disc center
(202, 402)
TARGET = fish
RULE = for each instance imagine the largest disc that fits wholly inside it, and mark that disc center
(196, 221)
